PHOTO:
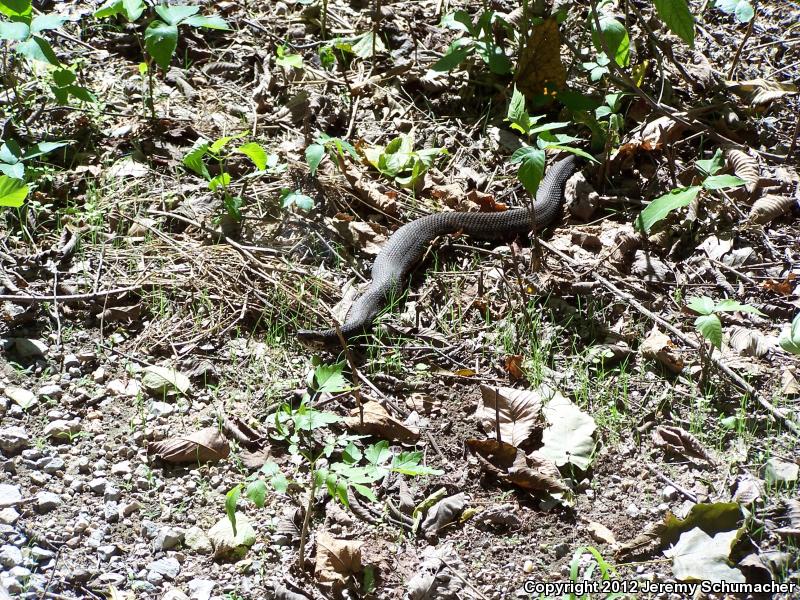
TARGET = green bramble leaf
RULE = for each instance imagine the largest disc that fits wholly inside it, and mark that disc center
(662, 206)
(710, 328)
(12, 191)
(677, 17)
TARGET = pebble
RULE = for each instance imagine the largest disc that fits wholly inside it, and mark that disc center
(131, 507)
(111, 511)
(51, 391)
(10, 556)
(29, 348)
(669, 493)
(98, 485)
(632, 510)
(112, 493)
(121, 468)
(8, 516)
(9, 495)
(71, 362)
(23, 398)
(161, 409)
(52, 465)
(164, 568)
(167, 538)
(62, 430)
(106, 551)
(47, 502)
(200, 589)
(40, 554)
(13, 439)
(197, 540)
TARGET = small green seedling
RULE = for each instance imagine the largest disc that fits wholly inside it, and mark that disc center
(790, 337)
(531, 159)
(477, 38)
(203, 151)
(327, 146)
(677, 198)
(284, 58)
(399, 161)
(708, 323)
(13, 188)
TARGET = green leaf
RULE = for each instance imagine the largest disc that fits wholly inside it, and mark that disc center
(174, 15)
(314, 155)
(312, 419)
(10, 152)
(209, 22)
(220, 143)
(257, 492)
(702, 305)
(616, 37)
(712, 165)
(15, 171)
(379, 453)
(194, 159)
(790, 337)
(364, 44)
(698, 556)
(12, 191)
(160, 40)
(279, 483)
(301, 201)
(364, 491)
(569, 438)
(288, 60)
(662, 206)
(531, 169)
(677, 17)
(351, 454)
(718, 182)
(45, 22)
(231, 499)
(710, 328)
(256, 153)
(458, 21)
(133, 9)
(222, 180)
(15, 8)
(330, 378)
(575, 151)
(63, 77)
(741, 9)
(16, 32)
(36, 48)
(517, 113)
(456, 53)
(41, 149)
(729, 305)
(408, 463)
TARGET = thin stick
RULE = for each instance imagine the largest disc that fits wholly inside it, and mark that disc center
(746, 37)
(68, 297)
(689, 495)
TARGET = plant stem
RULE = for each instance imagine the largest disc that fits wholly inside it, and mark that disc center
(301, 558)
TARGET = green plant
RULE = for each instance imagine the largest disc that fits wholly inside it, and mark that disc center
(708, 323)
(790, 337)
(334, 463)
(203, 150)
(25, 29)
(13, 186)
(285, 59)
(531, 159)
(683, 196)
(327, 146)
(399, 161)
(741, 9)
(477, 38)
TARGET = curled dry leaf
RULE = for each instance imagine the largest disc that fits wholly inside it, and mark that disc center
(443, 513)
(761, 91)
(644, 544)
(748, 490)
(680, 442)
(369, 237)
(657, 346)
(531, 472)
(601, 533)
(336, 560)
(206, 445)
(744, 166)
(380, 423)
(770, 207)
(657, 133)
(748, 342)
(518, 410)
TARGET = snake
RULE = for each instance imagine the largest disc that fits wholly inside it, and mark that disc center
(407, 245)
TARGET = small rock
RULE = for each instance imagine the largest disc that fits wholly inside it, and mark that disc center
(10, 495)
(8, 516)
(13, 439)
(174, 594)
(22, 397)
(200, 589)
(62, 430)
(111, 511)
(131, 507)
(105, 552)
(112, 493)
(162, 380)
(197, 540)
(121, 468)
(669, 493)
(51, 391)
(47, 502)
(632, 510)
(164, 568)
(144, 587)
(98, 485)
(28, 348)
(561, 550)
(40, 554)
(10, 556)
(226, 545)
(53, 465)
(161, 409)
(167, 538)
(777, 471)
(528, 566)
(99, 375)
(71, 362)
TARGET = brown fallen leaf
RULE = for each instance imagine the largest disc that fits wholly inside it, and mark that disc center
(761, 91)
(744, 167)
(748, 490)
(540, 70)
(519, 411)
(680, 442)
(368, 237)
(531, 472)
(381, 424)
(443, 513)
(657, 346)
(785, 287)
(770, 207)
(644, 544)
(206, 445)
(601, 533)
(337, 560)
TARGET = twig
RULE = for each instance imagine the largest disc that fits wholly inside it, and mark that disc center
(746, 37)
(734, 377)
(68, 297)
(683, 491)
(59, 340)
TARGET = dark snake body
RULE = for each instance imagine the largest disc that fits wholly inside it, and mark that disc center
(407, 245)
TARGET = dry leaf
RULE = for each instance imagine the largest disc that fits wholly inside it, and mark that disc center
(748, 490)
(748, 342)
(656, 133)
(643, 544)
(761, 91)
(336, 560)
(782, 288)
(601, 533)
(680, 442)
(206, 445)
(658, 346)
(514, 366)
(519, 411)
(770, 207)
(443, 513)
(380, 423)
(367, 236)
(536, 472)
(650, 268)
(744, 166)
(793, 513)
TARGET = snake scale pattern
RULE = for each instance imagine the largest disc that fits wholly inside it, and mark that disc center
(407, 245)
